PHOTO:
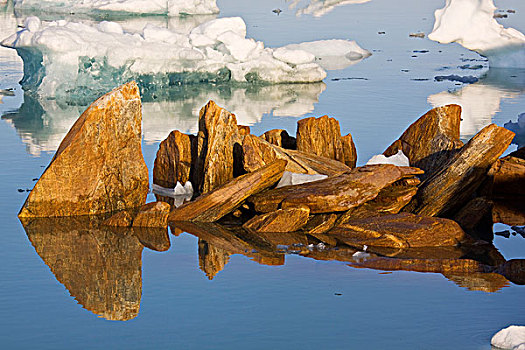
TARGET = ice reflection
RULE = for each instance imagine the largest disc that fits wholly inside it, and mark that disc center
(318, 8)
(42, 123)
(482, 100)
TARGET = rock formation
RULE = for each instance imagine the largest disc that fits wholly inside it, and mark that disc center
(322, 137)
(152, 215)
(286, 220)
(280, 138)
(98, 167)
(453, 185)
(334, 194)
(506, 177)
(431, 140)
(173, 162)
(212, 260)
(216, 204)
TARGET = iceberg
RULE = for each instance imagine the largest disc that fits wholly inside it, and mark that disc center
(318, 8)
(398, 159)
(140, 7)
(519, 129)
(79, 59)
(180, 194)
(471, 23)
(510, 338)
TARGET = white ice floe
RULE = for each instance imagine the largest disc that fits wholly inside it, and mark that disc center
(471, 23)
(180, 193)
(318, 8)
(398, 159)
(165, 7)
(73, 57)
(290, 178)
(329, 54)
(510, 338)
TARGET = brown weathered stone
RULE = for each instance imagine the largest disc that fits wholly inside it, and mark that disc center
(402, 230)
(212, 260)
(152, 215)
(98, 167)
(287, 220)
(216, 204)
(320, 224)
(455, 183)
(101, 268)
(280, 137)
(390, 200)
(510, 211)
(506, 177)
(173, 160)
(431, 140)
(121, 219)
(519, 153)
(257, 153)
(334, 194)
(218, 136)
(320, 136)
(155, 238)
(476, 218)
(243, 130)
(349, 151)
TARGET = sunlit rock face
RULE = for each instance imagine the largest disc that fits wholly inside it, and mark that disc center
(318, 8)
(471, 23)
(100, 268)
(99, 166)
(482, 100)
(164, 7)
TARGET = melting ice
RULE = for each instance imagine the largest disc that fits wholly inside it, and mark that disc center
(471, 23)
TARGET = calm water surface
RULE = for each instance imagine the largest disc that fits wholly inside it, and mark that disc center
(67, 288)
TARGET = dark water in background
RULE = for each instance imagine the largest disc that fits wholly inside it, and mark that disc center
(48, 283)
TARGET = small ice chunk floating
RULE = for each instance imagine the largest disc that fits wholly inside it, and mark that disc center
(471, 23)
(398, 159)
(510, 338)
(140, 7)
(71, 58)
(318, 8)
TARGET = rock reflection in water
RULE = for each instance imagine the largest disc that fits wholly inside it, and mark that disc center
(42, 123)
(101, 268)
(482, 100)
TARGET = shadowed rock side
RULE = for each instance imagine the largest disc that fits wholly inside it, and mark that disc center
(452, 186)
(431, 140)
(280, 138)
(334, 194)
(100, 268)
(174, 159)
(99, 166)
(506, 178)
(212, 260)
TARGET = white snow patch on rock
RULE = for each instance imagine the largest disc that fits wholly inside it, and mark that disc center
(398, 159)
(471, 23)
(290, 179)
(510, 338)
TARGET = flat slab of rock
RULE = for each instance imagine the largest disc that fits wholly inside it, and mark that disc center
(431, 140)
(287, 220)
(98, 167)
(258, 152)
(322, 137)
(476, 218)
(334, 194)
(173, 162)
(452, 186)
(218, 136)
(216, 204)
(152, 215)
(402, 230)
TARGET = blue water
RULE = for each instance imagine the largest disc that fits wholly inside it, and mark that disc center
(247, 304)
